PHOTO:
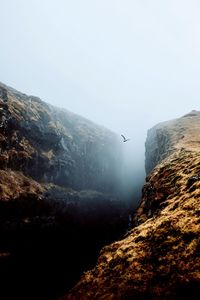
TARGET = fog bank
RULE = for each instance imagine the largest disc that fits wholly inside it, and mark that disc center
(126, 65)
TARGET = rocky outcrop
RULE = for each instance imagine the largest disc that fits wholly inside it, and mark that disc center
(52, 145)
(165, 138)
(160, 257)
(59, 193)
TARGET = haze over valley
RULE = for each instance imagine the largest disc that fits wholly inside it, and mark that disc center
(99, 149)
(126, 66)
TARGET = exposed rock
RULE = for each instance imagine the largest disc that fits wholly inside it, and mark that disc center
(13, 185)
(160, 257)
(54, 145)
(59, 193)
(165, 138)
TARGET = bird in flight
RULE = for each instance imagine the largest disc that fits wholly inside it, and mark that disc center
(125, 139)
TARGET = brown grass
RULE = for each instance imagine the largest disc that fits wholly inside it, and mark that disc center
(15, 184)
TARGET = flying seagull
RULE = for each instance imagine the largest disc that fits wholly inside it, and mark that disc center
(125, 139)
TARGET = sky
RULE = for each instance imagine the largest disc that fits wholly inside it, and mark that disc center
(124, 64)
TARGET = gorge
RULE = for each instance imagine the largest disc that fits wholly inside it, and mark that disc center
(159, 258)
(62, 203)
(60, 196)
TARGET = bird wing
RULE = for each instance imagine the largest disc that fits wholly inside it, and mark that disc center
(123, 137)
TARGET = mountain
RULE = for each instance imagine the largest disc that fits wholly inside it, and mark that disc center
(53, 145)
(159, 257)
(59, 193)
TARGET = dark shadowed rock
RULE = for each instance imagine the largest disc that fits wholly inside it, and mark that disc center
(54, 145)
(158, 258)
(59, 196)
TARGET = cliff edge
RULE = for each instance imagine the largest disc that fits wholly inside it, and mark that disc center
(53, 145)
(160, 257)
(59, 191)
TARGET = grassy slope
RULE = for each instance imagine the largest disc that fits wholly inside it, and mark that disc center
(160, 257)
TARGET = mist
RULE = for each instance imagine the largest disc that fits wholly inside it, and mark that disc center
(126, 65)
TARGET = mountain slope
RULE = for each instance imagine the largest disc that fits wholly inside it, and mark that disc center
(55, 145)
(59, 191)
(160, 257)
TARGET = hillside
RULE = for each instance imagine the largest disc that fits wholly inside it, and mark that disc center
(158, 258)
(59, 191)
(54, 145)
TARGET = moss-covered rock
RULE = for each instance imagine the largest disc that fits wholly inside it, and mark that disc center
(160, 257)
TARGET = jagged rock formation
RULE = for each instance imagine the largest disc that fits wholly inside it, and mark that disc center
(160, 257)
(59, 180)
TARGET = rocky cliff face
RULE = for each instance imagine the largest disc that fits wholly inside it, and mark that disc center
(59, 181)
(53, 145)
(160, 257)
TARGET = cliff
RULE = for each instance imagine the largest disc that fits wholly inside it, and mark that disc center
(158, 258)
(53, 145)
(59, 192)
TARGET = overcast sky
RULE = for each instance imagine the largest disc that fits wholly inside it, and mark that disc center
(125, 64)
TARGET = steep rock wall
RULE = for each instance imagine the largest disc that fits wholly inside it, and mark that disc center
(59, 192)
(165, 138)
(160, 257)
(53, 145)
